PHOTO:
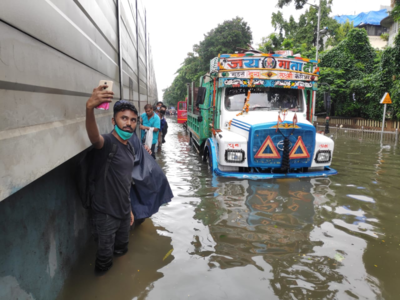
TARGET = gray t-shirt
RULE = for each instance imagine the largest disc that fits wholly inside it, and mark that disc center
(112, 191)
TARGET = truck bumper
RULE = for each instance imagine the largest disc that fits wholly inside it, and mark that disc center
(323, 173)
(327, 171)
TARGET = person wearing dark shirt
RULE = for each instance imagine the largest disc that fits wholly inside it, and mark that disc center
(111, 206)
(164, 125)
(158, 106)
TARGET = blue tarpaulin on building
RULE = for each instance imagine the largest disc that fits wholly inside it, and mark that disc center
(368, 18)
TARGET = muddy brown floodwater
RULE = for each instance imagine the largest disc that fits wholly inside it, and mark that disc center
(324, 238)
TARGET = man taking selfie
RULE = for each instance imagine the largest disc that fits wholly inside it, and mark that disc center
(114, 161)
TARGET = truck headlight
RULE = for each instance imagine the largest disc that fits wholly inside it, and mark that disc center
(234, 156)
(323, 156)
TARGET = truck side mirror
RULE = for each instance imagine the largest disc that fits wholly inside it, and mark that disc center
(201, 95)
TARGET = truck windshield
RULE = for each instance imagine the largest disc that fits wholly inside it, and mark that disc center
(264, 98)
(182, 106)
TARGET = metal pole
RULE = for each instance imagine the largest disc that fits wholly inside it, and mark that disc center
(319, 18)
(362, 132)
(383, 123)
(384, 117)
(316, 56)
(121, 83)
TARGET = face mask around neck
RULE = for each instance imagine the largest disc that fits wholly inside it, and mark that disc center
(125, 135)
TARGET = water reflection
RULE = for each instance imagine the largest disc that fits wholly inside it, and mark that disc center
(281, 222)
(132, 275)
(323, 238)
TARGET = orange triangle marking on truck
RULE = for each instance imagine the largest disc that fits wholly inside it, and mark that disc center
(299, 144)
(267, 142)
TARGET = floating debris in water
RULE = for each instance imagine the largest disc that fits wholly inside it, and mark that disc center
(168, 254)
(339, 257)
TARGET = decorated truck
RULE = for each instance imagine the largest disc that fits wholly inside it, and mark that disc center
(182, 113)
(251, 117)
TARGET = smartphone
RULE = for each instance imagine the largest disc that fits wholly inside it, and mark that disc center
(109, 83)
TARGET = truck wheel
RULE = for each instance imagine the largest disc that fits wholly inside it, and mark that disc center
(207, 157)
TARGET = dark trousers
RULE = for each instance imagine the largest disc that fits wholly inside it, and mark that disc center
(112, 238)
(153, 150)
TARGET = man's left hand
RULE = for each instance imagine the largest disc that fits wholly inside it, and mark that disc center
(132, 218)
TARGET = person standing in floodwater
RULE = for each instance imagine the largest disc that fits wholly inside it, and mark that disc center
(163, 127)
(150, 120)
(111, 207)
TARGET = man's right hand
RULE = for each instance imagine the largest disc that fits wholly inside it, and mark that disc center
(99, 96)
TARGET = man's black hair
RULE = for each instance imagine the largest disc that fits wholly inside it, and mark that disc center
(159, 102)
(122, 105)
(164, 106)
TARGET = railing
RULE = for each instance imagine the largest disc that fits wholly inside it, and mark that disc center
(360, 122)
(362, 133)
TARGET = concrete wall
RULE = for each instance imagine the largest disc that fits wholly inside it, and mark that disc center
(377, 42)
(52, 55)
(43, 229)
(393, 31)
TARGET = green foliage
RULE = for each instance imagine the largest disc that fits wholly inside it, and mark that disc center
(395, 13)
(222, 39)
(270, 43)
(359, 76)
(340, 33)
(385, 36)
(301, 36)
(298, 3)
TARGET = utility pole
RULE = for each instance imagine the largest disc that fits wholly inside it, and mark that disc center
(319, 19)
(316, 56)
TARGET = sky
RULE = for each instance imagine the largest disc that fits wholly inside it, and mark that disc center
(175, 26)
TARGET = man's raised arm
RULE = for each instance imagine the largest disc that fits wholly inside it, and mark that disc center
(99, 96)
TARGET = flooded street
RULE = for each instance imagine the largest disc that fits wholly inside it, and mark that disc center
(324, 238)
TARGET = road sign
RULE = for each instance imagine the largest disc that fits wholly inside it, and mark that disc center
(386, 99)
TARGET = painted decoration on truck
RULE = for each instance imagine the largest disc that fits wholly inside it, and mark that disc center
(286, 126)
(261, 55)
(299, 150)
(289, 64)
(288, 84)
(269, 75)
(214, 65)
(269, 63)
(267, 145)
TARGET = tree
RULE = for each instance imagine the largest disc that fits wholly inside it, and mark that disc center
(341, 33)
(270, 43)
(222, 39)
(301, 36)
(359, 76)
(395, 13)
(298, 3)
